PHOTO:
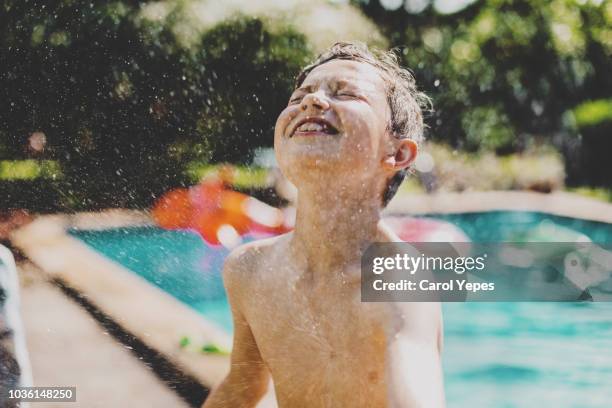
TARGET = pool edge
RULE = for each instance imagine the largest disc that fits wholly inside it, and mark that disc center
(112, 289)
(558, 203)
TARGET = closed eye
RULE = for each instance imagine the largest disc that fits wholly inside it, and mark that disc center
(345, 94)
(295, 99)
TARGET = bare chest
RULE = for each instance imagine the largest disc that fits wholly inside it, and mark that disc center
(323, 341)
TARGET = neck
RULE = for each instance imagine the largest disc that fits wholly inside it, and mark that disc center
(332, 232)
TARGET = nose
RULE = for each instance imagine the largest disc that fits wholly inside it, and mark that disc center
(315, 100)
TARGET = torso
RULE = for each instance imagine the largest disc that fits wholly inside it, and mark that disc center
(322, 345)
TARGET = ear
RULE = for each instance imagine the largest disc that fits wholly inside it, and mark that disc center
(404, 153)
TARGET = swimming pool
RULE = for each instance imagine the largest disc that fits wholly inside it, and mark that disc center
(496, 354)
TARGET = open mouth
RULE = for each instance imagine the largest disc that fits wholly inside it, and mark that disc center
(312, 126)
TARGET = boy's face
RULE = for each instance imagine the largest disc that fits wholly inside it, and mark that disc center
(336, 123)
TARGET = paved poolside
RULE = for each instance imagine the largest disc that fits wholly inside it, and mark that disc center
(68, 347)
(558, 203)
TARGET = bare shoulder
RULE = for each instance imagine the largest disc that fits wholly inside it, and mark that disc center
(245, 262)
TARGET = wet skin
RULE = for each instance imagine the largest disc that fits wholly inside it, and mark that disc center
(298, 316)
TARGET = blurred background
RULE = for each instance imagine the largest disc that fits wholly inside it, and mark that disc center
(156, 109)
(109, 104)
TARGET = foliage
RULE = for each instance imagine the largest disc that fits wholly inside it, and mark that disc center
(505, 72)
(244, 176)
(124, 106)
(592, 113)
(29, 169)
(602, 194)
(252, 73)
(128, 94)
(538, 169)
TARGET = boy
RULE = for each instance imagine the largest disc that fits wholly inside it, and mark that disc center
(346, 139)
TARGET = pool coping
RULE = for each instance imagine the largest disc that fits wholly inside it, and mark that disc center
(558, 203)
(112, 288)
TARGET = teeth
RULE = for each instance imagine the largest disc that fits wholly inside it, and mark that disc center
(312, 127)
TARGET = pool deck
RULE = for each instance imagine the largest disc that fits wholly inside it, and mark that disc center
(141, 309)
(557, 203)
(68, 347)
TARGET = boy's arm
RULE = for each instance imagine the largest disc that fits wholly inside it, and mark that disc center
(248, 379)
(415, 364)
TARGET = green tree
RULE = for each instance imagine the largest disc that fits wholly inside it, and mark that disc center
(249, 72)
(124, 105)
(503, 73)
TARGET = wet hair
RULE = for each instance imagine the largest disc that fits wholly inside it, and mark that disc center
(407, 103)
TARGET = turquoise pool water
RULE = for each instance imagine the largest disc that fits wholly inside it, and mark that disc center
(496, 354)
